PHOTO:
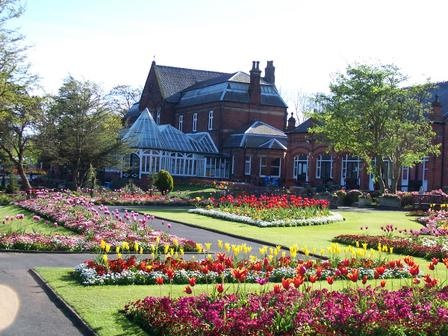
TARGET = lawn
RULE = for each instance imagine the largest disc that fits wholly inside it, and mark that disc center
(27, 224)
(100, 306)
(315, 238)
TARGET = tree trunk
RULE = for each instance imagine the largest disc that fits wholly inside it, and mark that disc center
(396, 169)
(379, 175)
(25, 182)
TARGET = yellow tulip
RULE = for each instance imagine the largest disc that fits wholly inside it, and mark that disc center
(102, 244)
(117, 249)
(107, 248)
(105, 258)
(220, 245)
(208, 246)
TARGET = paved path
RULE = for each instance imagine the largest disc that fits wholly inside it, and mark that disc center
(25, 309)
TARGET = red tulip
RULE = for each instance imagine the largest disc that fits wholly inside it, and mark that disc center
(312, 278)
(416, 281)
(298, 280)
(192, 281)
(364, 279)
(383, 283)
(380, 270)
(435, 261)
(353, 275)
(414, 270)
(188, 290)
(169, 273)
(286, 283)
(277, 289)
(159, 281)
(431, 266)
(330, 280)
(220, 288)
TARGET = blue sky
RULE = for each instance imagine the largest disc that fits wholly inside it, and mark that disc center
(114, 41)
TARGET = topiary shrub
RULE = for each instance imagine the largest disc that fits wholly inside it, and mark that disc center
(164, 182)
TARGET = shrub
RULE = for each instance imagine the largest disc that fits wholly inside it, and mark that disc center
(5, 199)
(164, 182)
(12, 186)
(352, 196)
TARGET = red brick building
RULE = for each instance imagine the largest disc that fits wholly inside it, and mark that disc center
(234, 126)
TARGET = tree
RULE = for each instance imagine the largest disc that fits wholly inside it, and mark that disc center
(369, 114)
(122, 97)
(79, 130)
(18, 109)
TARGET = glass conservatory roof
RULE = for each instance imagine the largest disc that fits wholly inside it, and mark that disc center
(146, 134)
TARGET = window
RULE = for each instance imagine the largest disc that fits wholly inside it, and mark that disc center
(233, 164)
(210, 120)
(158, 118)
(247, 165)
(195, 122)
(276, 165)
(181, 122)
(350, 171)
(300, 168)
(324, 167)
(264, 166)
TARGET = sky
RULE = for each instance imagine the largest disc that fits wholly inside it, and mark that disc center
(113, 42)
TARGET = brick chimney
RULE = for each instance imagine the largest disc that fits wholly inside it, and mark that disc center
(291, 123)
(436, 113)
(254, 85)
(269, 72)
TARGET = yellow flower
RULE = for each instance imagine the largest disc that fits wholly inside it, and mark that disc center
(166, 249)
(181, 251)
(119, 255)
(391, 250)
(220, 245)
(227, 247)
(148, 267)
(199, 247)
(136, 247)
(208, 246)
(175, 242)
(117, 249)
(105, 258)
(357, 243)
(141, 250)
(364, 246)
(107, 248)
(102, 244)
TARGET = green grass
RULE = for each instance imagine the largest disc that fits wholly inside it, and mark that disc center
(191, 192)
(27, 224)
(99, 306)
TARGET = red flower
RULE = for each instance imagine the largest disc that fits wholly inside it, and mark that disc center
(380, 270)
(188, 290)
(286, 283)
(192, 281)
(169, 273)
(430, 282)
(239, 274)
(312, 278)
(220, 288)
(204, 269)
(330, 280)
(431, 266)
(435, 261)
(277, 289)
(416, 281)
(298, 280)
(364, 279)
(159, 281)
(383, 283)
(353, 275)
(414, 270)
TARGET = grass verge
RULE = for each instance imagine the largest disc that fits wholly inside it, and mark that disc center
(27, 224)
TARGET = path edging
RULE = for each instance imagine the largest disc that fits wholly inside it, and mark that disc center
(68, 311)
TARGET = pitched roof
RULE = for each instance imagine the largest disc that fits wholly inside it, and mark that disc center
(258, 135)
(441, 90)
(172, 79)
(303, 127)
(146, 134)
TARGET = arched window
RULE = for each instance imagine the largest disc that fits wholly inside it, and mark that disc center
(300, 168)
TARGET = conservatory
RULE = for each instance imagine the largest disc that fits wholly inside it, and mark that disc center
(158, 147)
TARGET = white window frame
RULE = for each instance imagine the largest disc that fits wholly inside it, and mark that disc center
(404, 181)
(261, 166)
(247, 164)
(425, 171)
(295, 168)
(279, 166)
(181, 122)
(345, 160)
(210, 120)
(194, 126)
(319, 166)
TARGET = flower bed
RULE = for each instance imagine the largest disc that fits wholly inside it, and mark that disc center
(332, 217)
(121, 197)
(226, 268)
(40, 242)
(276, 210)
(419, 246)
(98, 223)
(361, 311)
